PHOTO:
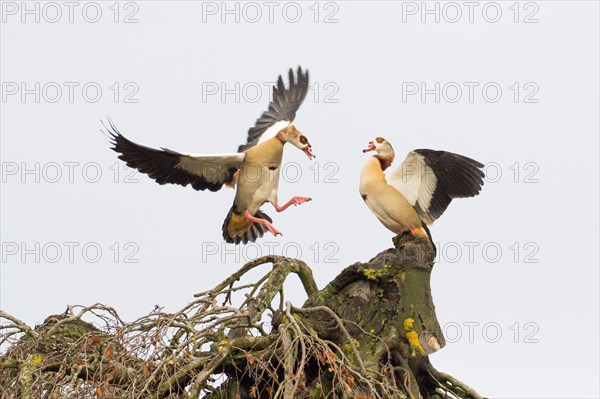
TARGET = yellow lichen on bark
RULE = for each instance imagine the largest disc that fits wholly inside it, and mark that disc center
(412, 336)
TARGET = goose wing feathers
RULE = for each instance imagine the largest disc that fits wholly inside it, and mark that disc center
(282, 109)
(202, 172)
(430, 179)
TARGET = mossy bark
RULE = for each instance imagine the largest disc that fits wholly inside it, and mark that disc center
(388, 306)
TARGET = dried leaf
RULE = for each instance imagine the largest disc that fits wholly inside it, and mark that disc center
(330, 357)
(350, 381)
(301, 381)
(110, 376)
(250, 358)
(145, 370)
(99, 392)
(254, 392)
(109, 351)
(321, 358)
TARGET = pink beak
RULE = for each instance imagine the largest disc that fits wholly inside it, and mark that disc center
(371, 147)
(308, 151)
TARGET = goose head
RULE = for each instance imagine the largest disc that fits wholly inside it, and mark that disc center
(384, 151)
(292, 135)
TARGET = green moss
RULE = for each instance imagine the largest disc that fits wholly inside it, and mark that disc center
(348, 346)
(316, 391)
(72, 330)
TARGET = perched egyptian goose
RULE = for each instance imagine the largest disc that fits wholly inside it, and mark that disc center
(255, 168)
(418, 191)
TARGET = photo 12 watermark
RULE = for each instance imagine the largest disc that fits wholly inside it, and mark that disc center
(253, 12)
(527, 172)
(254, 92)
(491, 332)
(488, 252)
(315, 252)
(489, 92)
(69, 252)
(69, 92)
(70, 12)
(72, 172)
(453, 12)
(494, 172)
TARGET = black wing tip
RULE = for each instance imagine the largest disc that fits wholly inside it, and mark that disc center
(112, 128)
(299, 72)
(297, 88)
(110, 131)
(302, 77)
(115, 138)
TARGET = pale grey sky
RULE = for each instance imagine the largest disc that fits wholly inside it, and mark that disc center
(513, 86)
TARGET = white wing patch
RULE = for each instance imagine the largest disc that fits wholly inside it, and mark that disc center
(414, 180)
(273, 130)
(214, 168)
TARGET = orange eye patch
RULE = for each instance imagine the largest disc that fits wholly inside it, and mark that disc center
(379, 140)
(303, 140)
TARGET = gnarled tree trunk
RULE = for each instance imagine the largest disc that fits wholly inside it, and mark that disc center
(389, 313)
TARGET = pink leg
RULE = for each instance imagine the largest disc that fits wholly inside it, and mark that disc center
(293, 201)
(264, 222)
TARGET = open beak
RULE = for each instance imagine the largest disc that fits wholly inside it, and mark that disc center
(371, 147)
(308, 151)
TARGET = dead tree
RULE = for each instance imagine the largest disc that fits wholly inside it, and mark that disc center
(367, 334)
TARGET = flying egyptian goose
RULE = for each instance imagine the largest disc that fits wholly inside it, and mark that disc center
(255, 167)
(418, 191)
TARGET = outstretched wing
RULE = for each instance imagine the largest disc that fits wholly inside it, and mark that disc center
(430, 179)
(282, 109)
(166, 166)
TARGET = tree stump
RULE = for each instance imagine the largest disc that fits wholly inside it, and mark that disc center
(389, 310)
